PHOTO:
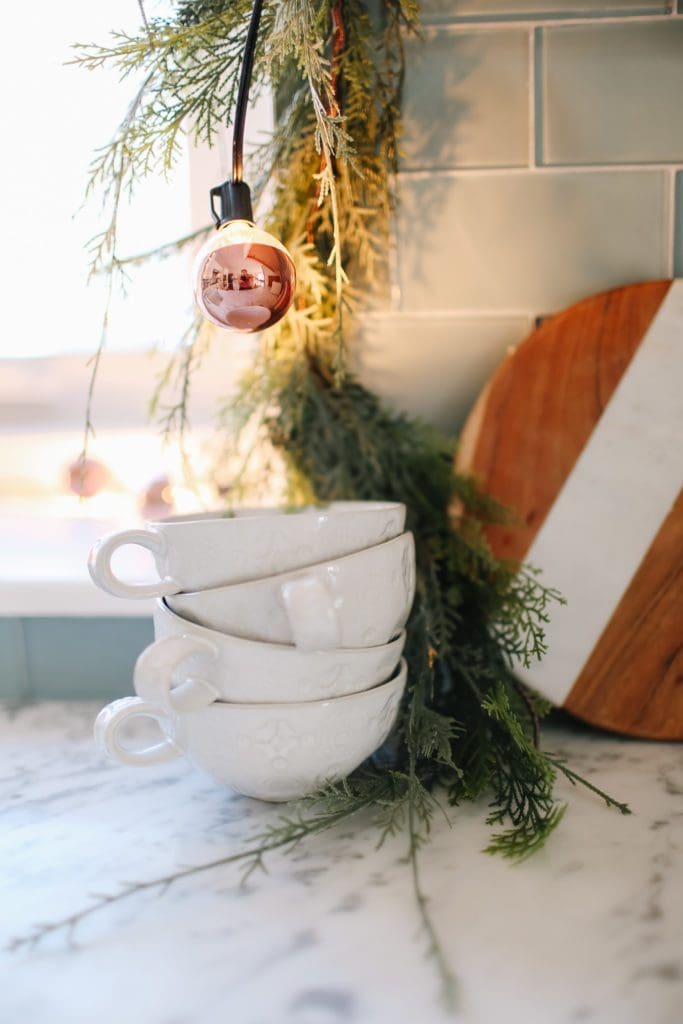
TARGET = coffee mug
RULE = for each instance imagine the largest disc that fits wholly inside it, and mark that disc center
(359, 600)
(189, 667)
(219, 548)
(269, 751)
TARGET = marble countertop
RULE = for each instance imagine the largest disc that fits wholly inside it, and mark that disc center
(590, 929)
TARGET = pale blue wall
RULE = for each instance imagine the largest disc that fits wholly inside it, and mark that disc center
(69, 657)
(541, 162)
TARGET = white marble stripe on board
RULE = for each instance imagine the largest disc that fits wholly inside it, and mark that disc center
(613, 502)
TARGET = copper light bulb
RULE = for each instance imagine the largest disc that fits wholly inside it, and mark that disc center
(244, 278)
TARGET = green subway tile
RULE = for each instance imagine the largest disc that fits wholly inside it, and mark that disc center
(678, 236)
(613, 93)
(487, 10)
(14, 681)
(74, 658)
(465, 100)
(434, 367)
(527, 240)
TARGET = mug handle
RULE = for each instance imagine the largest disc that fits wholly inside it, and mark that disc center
(99, 564)
(108, 724)
(155, 667)
(311, 612)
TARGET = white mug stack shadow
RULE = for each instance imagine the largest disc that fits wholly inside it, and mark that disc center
(276, 666)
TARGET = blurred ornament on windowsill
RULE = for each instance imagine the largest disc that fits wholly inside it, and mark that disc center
(87, 477)
(156, 500)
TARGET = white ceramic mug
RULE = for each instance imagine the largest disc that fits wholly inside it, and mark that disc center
(189, 667)
(359, 600)
(268, 751)
(220, 548)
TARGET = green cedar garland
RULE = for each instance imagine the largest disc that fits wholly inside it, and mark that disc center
(466, 727)
(337, 70)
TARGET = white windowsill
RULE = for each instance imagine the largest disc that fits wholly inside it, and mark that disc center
(74, 598)
(43, 570)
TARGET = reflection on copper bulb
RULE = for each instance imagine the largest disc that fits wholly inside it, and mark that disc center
(244, 278)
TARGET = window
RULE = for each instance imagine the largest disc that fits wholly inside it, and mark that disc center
(59, 116)
(55, 116)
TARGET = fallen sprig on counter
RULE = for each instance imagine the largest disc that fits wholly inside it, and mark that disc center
(311, 817)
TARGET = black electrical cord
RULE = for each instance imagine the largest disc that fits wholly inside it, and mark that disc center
(243, 91)
(234, 195)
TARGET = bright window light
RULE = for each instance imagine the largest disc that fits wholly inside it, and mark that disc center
(54, 117)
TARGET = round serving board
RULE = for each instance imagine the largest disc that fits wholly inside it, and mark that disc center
(580, 433)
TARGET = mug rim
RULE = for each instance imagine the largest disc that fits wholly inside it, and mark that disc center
(162, 608)
(275, 578)
(398, 677)
(249, 513)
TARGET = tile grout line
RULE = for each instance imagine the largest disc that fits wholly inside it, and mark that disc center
(545, 169)
(539, 96)
(431, 27)
(25, 682)
(531, 85)
(671, 222)
(394, 267)
(449, 314)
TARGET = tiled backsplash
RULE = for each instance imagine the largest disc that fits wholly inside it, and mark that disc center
(487, 10)
(612, 93)
(524, 241)
(542, 162)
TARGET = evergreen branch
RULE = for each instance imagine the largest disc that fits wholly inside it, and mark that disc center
(533, 715)
(449, 984)
(102, 900)
(523, 841)
(521, 618)
(523, 782)
(287, 835)
(94, 365)
(573, 777)
(143, 15)
(173, 418)
(160, 252)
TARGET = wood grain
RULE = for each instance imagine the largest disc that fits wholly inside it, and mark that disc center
(522, 440)
(534, 417)
(634, 677)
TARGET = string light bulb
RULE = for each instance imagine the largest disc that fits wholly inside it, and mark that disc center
(244, 278)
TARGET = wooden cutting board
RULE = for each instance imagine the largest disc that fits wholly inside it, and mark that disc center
(579, 431)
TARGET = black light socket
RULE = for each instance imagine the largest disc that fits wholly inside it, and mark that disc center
(235, 202)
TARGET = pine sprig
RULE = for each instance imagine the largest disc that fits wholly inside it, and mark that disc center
(520, 623)
(523, 778)
(521, 842)
(289, 831)
(189, 74)
(561, 765)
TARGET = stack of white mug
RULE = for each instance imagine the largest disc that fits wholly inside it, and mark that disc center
(277, 664)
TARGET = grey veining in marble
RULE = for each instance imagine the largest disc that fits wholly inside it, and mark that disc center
(591, 929)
